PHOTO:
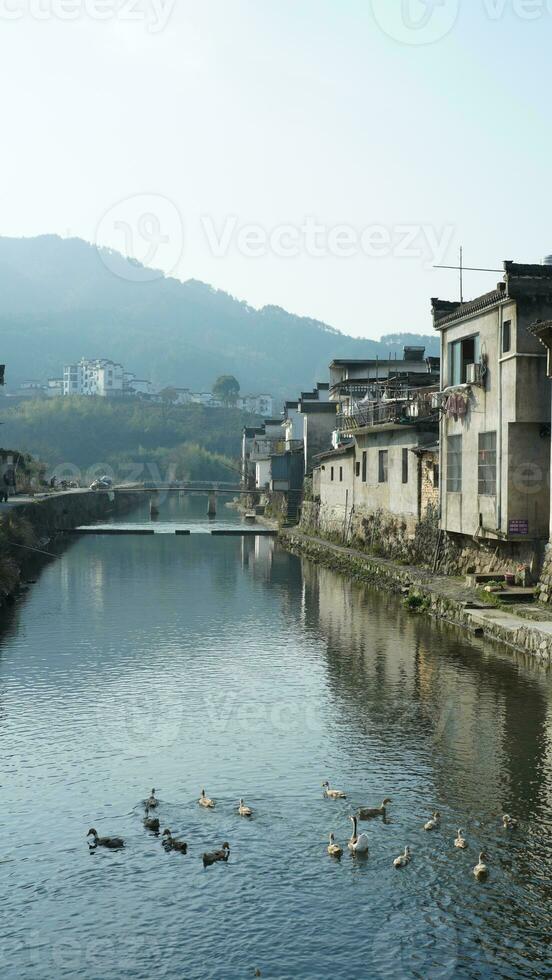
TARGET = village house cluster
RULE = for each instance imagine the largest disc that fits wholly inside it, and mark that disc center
(448, 454)
(104, 378)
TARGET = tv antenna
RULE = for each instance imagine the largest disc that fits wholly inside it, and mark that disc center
(461, 268)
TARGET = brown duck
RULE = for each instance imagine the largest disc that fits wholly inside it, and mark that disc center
(214, 856)
(151, 823)
(170, 843)
(113, 843)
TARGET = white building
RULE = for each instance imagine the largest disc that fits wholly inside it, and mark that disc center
(55, 387)
(103, 378)
(256, 404)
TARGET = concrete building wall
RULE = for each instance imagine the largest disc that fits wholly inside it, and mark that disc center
(399, 495)
(263, 473)
(514, 394)
(335, 480)
(317, 435)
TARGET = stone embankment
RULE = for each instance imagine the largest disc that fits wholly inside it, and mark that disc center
(29, 527)
(443, 597)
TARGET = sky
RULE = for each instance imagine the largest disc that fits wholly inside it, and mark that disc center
(320, 155)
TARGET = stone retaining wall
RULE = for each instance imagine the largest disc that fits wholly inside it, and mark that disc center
(422, 543)
(423, 587)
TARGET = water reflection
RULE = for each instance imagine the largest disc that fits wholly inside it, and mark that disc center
(184, 662)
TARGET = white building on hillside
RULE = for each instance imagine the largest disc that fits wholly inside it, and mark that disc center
(103, 378)
(257, 404)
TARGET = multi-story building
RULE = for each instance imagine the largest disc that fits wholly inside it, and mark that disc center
(100, 377)
(495, 425)
(387, 465)
(310, 420)
(256, 404)
(354, 384)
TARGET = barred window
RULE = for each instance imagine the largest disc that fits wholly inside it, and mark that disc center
(486, 475)
(454, 464)
(364, 467)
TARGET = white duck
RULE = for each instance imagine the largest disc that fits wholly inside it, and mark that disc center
(461, 840)
(508, 822)
(205, 801)
(358, 844)
(403, 859)
(481, 870)
(434, 822)
(243, 810)
(333, 794)
(334, 850)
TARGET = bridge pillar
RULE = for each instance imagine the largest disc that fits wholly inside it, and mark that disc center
(212, 505)
(154, 506)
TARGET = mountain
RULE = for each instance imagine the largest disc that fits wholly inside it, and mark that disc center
(62, 299)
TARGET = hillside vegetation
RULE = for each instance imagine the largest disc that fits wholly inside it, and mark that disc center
(62, 299)
(81, 437)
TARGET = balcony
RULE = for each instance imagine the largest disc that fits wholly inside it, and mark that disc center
(406, 408)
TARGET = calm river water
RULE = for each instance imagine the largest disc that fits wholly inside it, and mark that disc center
(190, 662)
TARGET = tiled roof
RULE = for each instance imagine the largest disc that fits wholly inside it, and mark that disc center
(460, 310)
(342, 451)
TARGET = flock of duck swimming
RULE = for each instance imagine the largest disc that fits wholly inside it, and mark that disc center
(358, 844)
(169, 842)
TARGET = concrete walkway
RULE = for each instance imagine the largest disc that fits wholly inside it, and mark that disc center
(527, 628)
(23, 500)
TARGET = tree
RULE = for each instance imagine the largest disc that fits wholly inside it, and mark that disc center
(169, 395)
(226, 389)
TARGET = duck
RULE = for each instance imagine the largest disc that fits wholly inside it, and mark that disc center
(481, 870)
(205, 801)
(333, 794)
(113, 843)
(151, 823)
(334, 850)
(358, 844)
(461, 840)
(403, 859)
(170, 843)
(243, 810)
(214, 856)
(152, 802)
(370, 813)
(508, 822)
(434, 822)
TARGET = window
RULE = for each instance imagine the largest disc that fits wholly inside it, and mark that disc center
(357, 469)
(462, 353)
(405, 465)
(364, 467)
(486, 469)
(454, 464)
(506, 336)
(382, 466)
(436, 475)
(332, 473)
(341, 474)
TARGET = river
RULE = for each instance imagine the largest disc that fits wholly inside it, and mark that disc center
(226, 663)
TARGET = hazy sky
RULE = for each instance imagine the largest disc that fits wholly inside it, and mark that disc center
(314, 154)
